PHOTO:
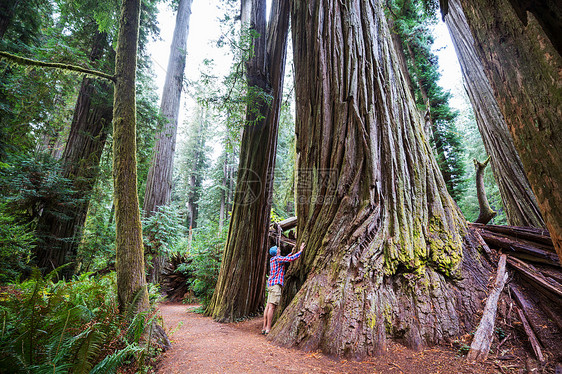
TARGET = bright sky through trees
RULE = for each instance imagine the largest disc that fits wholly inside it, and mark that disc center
(205, 29)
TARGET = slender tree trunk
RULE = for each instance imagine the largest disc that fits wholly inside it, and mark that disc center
(387, 252)
(159, 180)
(241, 285)
(516, 193)
(129, 264)
(519, 46)
(60, 233)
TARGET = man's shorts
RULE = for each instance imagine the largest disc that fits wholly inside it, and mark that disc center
(274, 294)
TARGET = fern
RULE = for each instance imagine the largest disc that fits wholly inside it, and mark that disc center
(110, 363)
(89, 342)
(69, 326)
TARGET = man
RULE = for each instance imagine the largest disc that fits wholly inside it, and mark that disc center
(275, 283)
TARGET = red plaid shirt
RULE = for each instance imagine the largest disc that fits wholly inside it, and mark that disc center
(277, 270)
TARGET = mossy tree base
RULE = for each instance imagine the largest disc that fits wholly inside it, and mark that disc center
(387, 254)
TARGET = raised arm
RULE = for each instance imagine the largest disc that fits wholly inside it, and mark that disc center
(292, 257)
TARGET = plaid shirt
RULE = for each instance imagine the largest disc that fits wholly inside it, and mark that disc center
(277, 272)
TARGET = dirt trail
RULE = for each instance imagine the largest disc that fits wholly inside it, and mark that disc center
(201, 345)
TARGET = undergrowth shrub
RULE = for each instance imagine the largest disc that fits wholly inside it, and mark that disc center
(16, 242)
(161, 232)
(69, 327)
(204, 261)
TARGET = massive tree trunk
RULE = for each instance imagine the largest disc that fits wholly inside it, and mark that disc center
(519, 46)
(159, 180)
(60, 233)
(387, 252)
(517, 197)
(241, 285)
(129, 264)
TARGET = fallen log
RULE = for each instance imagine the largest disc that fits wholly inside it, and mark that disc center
(480, 346)
(492, 255)
(288, 223)
(519, 232)
(291, 242)
(535, 276)
(531, 335)
(526, 307)
(521, 248)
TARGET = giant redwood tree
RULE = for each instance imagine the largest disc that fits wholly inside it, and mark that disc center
(520, 44)
(60, 230)
(388, 253)
(517, 196)
(241, 284)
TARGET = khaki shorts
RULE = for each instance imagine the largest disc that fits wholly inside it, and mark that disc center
(274, 294)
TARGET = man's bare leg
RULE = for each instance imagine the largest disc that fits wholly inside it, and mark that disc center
(269, 316)
(265, 317)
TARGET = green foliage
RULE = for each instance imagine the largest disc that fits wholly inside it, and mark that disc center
(97, 247)
(31, 185)
(67, 327)
(204, 260)
(193, 162)
(162, 230)
(16, 242)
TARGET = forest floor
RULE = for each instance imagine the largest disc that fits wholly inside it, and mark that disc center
(201, 345)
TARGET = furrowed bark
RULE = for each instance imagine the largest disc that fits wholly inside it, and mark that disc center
(387, 254)
(522, 61)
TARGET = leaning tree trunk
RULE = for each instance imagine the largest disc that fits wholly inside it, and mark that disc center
(517, 197)
(387, 252)
(159, 181)
(519, 45)
(241, 284)
(60, 233)
(129, 264)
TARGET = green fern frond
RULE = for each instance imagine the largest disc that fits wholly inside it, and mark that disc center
(113, 361)
(90, 343)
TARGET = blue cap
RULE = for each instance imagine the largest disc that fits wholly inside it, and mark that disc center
(273, 251)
